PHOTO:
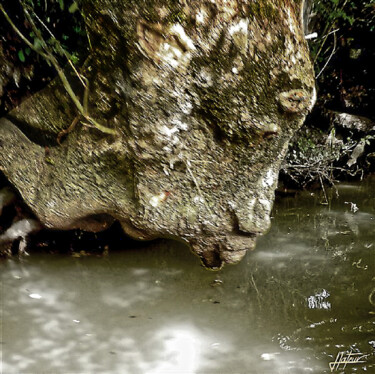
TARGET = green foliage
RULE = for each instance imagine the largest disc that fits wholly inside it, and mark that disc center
(50, 18)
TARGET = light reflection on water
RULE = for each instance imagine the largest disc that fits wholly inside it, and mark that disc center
(300, 298)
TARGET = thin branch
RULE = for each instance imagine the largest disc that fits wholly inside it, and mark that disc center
(61, 49)
(68, 130)
(100, 127)
(333, 31)
(86, 98)
(324, 191)
(327, 31)
(35, 29)
(323, 43)
(52, 59)
(329, 58)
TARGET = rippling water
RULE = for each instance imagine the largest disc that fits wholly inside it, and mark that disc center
(303, 296)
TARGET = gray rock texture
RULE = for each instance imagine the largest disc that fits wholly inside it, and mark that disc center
(204, 97)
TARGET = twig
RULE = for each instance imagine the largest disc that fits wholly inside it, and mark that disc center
(257, 291)
(62, 50)
(329, 58)
(329, 29)
(324, 190)
(68, 130)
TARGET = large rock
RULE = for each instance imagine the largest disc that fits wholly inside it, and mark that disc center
(349, 123)
(204, 97)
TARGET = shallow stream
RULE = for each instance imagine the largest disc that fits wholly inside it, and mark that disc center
(303, 296)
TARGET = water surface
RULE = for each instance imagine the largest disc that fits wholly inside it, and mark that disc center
(304, 295)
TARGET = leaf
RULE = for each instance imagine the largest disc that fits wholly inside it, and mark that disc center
(73, 7)
(74, 59)
(27, 51)
(61, 2)
(37, 43)
(21, 56)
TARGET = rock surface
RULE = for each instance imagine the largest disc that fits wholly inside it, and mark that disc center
(203, 97)
(359, 125)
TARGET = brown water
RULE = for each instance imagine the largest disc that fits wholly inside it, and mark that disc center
(303, 296)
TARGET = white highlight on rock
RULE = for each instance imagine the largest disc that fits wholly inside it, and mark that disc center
(186, 107)
(269, 179)
(167, 131)
(206, 77)
(171, 133)
(178, 30)
(240, 27)
(198, 199)
(201, 15)
(232, 204)
(174, 54)
(180, 125)
(238, 32)
(156, 200)
(170, 54)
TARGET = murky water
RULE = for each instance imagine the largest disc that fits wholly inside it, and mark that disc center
(306, 294)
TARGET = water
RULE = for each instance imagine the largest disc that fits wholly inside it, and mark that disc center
(303, 296)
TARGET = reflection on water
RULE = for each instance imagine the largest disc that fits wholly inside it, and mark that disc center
(304, 295)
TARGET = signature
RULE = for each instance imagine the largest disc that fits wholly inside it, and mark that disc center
(344, 358)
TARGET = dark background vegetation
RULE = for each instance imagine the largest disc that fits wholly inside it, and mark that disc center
(23, 71)
(346, 32)
(344, 60)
